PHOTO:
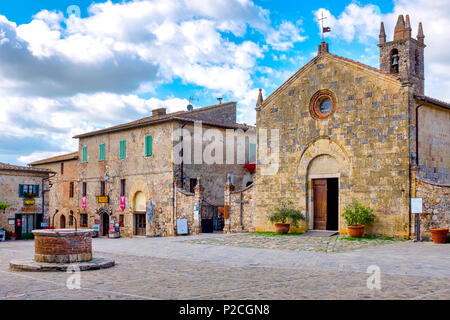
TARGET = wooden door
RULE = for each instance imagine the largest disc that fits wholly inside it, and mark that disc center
(105, 225)
(62, 222)
(140, 225)
(320, 203)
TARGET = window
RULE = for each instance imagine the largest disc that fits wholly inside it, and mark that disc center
(123, 149)
(322, 104)
(71, 218)
(84, 158)
(84, 189)
(252, 156)
(394, 61)
(29, 189)
(121, 217)
(62, 167)
(192, 185)
(71, 189)
(122, 187)
(102, 152)
(83, 220)
(148, 146)
(102, 188)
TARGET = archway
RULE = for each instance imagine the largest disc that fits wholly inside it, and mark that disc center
(323, 177)
(139, 208)
(62, 222)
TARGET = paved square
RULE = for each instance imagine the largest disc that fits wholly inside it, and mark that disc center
(220, 266)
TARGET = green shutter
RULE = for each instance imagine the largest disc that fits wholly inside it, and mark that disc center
(148, 146)
(85, 154)
(102, 152)
(252, 152)
(36, 190)
(20, 190)
(123, 151)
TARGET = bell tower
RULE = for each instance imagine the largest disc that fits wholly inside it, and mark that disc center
(404, 55)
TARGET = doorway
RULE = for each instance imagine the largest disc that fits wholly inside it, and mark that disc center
(326, 204)
(62, 222)
(105, 224)
(140, 224)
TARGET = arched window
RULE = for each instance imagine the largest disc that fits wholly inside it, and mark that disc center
(394, 61)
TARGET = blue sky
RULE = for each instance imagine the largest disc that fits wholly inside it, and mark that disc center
(63, 75)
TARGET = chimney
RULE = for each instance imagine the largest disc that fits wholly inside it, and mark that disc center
(323, 47)
(158, 112)
(219, 100)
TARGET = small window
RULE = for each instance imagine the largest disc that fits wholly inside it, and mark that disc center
(121, 220)
(71, 189)
(102, 152)
(62, 167)
(123, 149)
(148, 146)
(323, 104)
(83, 220)
(122, 187)
(192, 185)
(84, 156)
(102, 188)
(71, 218)
(84, 189)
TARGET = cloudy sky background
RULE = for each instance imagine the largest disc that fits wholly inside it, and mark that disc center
(61, 75)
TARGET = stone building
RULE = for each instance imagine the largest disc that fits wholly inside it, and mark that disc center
(24, 189)
(129, 174)
(349, 131)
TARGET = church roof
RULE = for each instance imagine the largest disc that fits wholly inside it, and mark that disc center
(318, 57)
(434, 101)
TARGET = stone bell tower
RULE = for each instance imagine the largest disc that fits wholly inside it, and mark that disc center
(404, 55)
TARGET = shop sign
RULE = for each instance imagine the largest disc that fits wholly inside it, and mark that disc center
(83, 202)
(102, 199)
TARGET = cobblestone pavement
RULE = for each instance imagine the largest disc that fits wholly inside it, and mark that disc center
(175, 268)
(296, 243)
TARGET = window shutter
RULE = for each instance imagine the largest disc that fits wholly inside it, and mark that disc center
(122, 149)
(148, 146)
(36, 190)
(252, 152)
(85, 154)
(20, 190)
(102, 152)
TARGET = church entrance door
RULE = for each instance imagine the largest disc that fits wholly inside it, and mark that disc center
(326, 203)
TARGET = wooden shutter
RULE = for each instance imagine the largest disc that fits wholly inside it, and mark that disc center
(102, 152)
(123, 151)
(85, 154)
(148, 146)
(20, 190)
(36, 190)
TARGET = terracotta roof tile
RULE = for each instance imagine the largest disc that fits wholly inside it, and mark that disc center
(11, 167)
(63, 157)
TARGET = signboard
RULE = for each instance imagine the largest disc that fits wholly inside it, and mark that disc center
(182, 226)
(11, 221)
(122, 203)
(102, 199)
(112, 227)
(96, 227)
(44, 224)
(83, 202)
(416, 205)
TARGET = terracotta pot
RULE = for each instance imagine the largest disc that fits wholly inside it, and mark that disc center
(282, 228)
(355, 231)
(439, 235)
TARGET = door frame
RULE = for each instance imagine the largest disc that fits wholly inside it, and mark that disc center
(135, 214)
(310, 198)
(102, 224)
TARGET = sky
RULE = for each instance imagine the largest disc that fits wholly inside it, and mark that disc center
(68, 66)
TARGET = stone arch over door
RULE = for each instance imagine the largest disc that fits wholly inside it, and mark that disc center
(323, 158)
(137, 202)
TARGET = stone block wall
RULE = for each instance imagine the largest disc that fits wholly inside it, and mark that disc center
(185, 202)
(436, 207)
(241, 202)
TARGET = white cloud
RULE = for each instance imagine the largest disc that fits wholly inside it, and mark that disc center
(286, 36)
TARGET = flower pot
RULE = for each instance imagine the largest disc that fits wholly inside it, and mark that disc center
(355, 231)
(282, 228)
(439, 235)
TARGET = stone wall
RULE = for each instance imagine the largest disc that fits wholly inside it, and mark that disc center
(436, 207)
(185, 202)
(240, 203)
(367, 135)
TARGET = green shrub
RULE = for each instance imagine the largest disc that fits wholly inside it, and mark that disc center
(286, 213)
(27, 236)
(4, 206)
(357, 214)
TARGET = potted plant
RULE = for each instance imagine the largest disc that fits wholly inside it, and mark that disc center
(439, 235)
(285, 215)
(357, 216)
(11, 235)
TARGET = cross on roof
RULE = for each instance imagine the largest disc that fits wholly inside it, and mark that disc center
(327, 29)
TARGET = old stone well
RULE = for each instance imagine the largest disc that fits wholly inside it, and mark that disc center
(57, 249)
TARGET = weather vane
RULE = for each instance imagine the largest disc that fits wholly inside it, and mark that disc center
(324, 29)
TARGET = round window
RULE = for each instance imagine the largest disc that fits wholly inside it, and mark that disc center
(322, 104)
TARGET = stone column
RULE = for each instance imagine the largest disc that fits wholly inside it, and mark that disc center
(197, 228)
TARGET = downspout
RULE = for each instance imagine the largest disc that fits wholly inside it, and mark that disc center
(174, 186)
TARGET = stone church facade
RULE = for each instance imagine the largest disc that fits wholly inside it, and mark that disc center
(349, 131)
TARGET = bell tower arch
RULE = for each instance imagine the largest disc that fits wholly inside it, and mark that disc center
(404, 55)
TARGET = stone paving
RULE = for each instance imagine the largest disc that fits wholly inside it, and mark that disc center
(294, 242)
(175, 268)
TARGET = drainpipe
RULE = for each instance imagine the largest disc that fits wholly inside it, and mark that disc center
(413, 177)
(417, 134)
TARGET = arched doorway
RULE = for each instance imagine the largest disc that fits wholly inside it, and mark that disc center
(62, 222)
(139, 206)
(323, 178)
(105, 224)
